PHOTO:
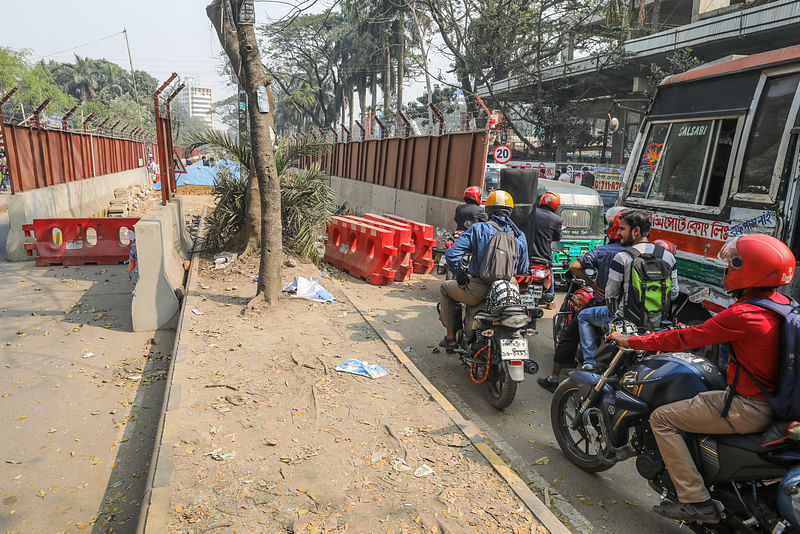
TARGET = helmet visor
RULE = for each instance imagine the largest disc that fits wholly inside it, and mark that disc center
(729, 253)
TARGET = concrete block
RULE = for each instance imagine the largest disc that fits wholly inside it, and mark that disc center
(357, 194)
(185, 237)
(154, 304)
(160, 254)
(81, 198)
(441, 212)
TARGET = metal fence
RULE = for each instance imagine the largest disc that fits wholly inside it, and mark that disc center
(438, 165)
(40, 158)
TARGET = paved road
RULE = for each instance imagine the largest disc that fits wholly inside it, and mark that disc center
(77, 432)
(616, 501)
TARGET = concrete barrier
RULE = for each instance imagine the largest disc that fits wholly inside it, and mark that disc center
(161, 253)
(364, 197)
(82, 198)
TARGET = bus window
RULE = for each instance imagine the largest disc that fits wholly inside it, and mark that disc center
(726, 131)
(766, 134)
(680, 167)
(649, 159)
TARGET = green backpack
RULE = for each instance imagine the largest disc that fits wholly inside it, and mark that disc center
(648, 302)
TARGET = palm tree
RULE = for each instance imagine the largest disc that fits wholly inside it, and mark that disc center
(84, 80)
(307, 202)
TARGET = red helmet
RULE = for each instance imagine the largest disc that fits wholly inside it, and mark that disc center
(669, 245)
(756, 260)
(550, 199)
(613, 216)
(473, 192)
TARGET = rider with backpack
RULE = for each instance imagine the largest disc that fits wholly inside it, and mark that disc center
(642, 279)
(499, 251)
(756, 265)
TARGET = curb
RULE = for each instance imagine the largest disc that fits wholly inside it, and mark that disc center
(541, 512)
(154, 512)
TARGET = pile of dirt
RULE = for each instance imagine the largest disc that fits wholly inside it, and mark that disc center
(272, 438)
(195, 189)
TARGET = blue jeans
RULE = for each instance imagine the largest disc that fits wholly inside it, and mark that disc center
(588, 319)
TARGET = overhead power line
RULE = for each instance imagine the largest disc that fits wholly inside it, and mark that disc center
(81, 45)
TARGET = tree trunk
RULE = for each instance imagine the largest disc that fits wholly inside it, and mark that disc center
(362, 98)
(387, 80)
(401, 62)
(350, 108)
(263, 157)
(374, 95)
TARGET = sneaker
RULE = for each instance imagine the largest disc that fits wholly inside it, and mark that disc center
(591, 367)
(549, 383)
(549, 305)
(687, 512)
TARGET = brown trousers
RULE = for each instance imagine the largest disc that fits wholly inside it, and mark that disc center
(701, 415)
(450, 294)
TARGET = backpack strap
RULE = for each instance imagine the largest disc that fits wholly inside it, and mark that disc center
(634, 253)
(658, 251)
(781, 309)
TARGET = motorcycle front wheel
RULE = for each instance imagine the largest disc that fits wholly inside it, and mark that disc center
(502, 389)
(576, 444)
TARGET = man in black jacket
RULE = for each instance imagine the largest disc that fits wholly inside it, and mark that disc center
(587, 178)
(471, 210)
(547, 225)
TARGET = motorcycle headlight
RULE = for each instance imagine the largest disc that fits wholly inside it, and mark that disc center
(515, 321)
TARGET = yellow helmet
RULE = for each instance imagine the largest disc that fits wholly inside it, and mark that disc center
(499, 199)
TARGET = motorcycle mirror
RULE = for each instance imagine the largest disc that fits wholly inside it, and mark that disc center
(699, 294)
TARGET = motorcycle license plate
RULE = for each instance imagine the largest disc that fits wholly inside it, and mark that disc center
(536, 292)
(514, 349)
(528, 299)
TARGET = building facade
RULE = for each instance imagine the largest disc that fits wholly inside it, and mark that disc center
(198, 100)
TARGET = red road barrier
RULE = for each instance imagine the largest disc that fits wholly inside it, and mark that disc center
(100, 241)
(360, 249)
(422, 235)
(402, 241)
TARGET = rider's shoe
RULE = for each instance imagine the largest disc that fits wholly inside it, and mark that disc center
(591, 367)
(549, 383)
(706, 513)
(449, 345)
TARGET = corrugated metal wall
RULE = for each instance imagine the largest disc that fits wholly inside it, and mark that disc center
(40, 158)
(439, 165)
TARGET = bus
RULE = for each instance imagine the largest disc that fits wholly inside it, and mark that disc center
(717, 156)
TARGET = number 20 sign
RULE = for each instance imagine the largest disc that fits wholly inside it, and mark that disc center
(502, 154)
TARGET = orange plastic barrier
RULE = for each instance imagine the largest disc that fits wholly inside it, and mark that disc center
(362, 250)
(80, 241)
(422, 236)
(402, 241)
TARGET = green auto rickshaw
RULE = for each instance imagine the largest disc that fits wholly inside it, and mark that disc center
(581, 209)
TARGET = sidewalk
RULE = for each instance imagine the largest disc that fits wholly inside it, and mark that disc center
(263, 435)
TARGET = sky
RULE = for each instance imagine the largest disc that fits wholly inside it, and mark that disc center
(165, 35)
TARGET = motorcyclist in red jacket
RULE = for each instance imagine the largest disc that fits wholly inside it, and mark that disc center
(756, 265)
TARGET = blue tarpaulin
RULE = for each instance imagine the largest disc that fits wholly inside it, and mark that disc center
(197, 174)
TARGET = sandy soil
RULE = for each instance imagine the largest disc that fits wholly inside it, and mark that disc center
(273, 439)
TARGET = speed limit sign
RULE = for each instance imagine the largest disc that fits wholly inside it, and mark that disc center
(502, 154)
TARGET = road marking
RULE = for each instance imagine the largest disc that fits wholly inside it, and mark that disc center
(472, 432)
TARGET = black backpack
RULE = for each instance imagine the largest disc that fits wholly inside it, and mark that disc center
(500, 260)
(647, 304)
(786, 399)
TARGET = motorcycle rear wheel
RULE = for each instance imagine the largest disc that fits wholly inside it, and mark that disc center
(559, 324)
(502, 389)
(575, 444)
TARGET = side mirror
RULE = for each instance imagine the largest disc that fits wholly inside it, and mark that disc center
(699, 294)
(613, 124)
(556, 245)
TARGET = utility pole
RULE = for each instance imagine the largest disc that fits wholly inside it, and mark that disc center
(133, 75)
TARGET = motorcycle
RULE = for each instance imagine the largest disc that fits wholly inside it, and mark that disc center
(578, 296)
(492, 342)
(531, 286)
(600, 420)
(444, 240)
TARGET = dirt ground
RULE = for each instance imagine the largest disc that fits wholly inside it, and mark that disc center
(273, 439)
